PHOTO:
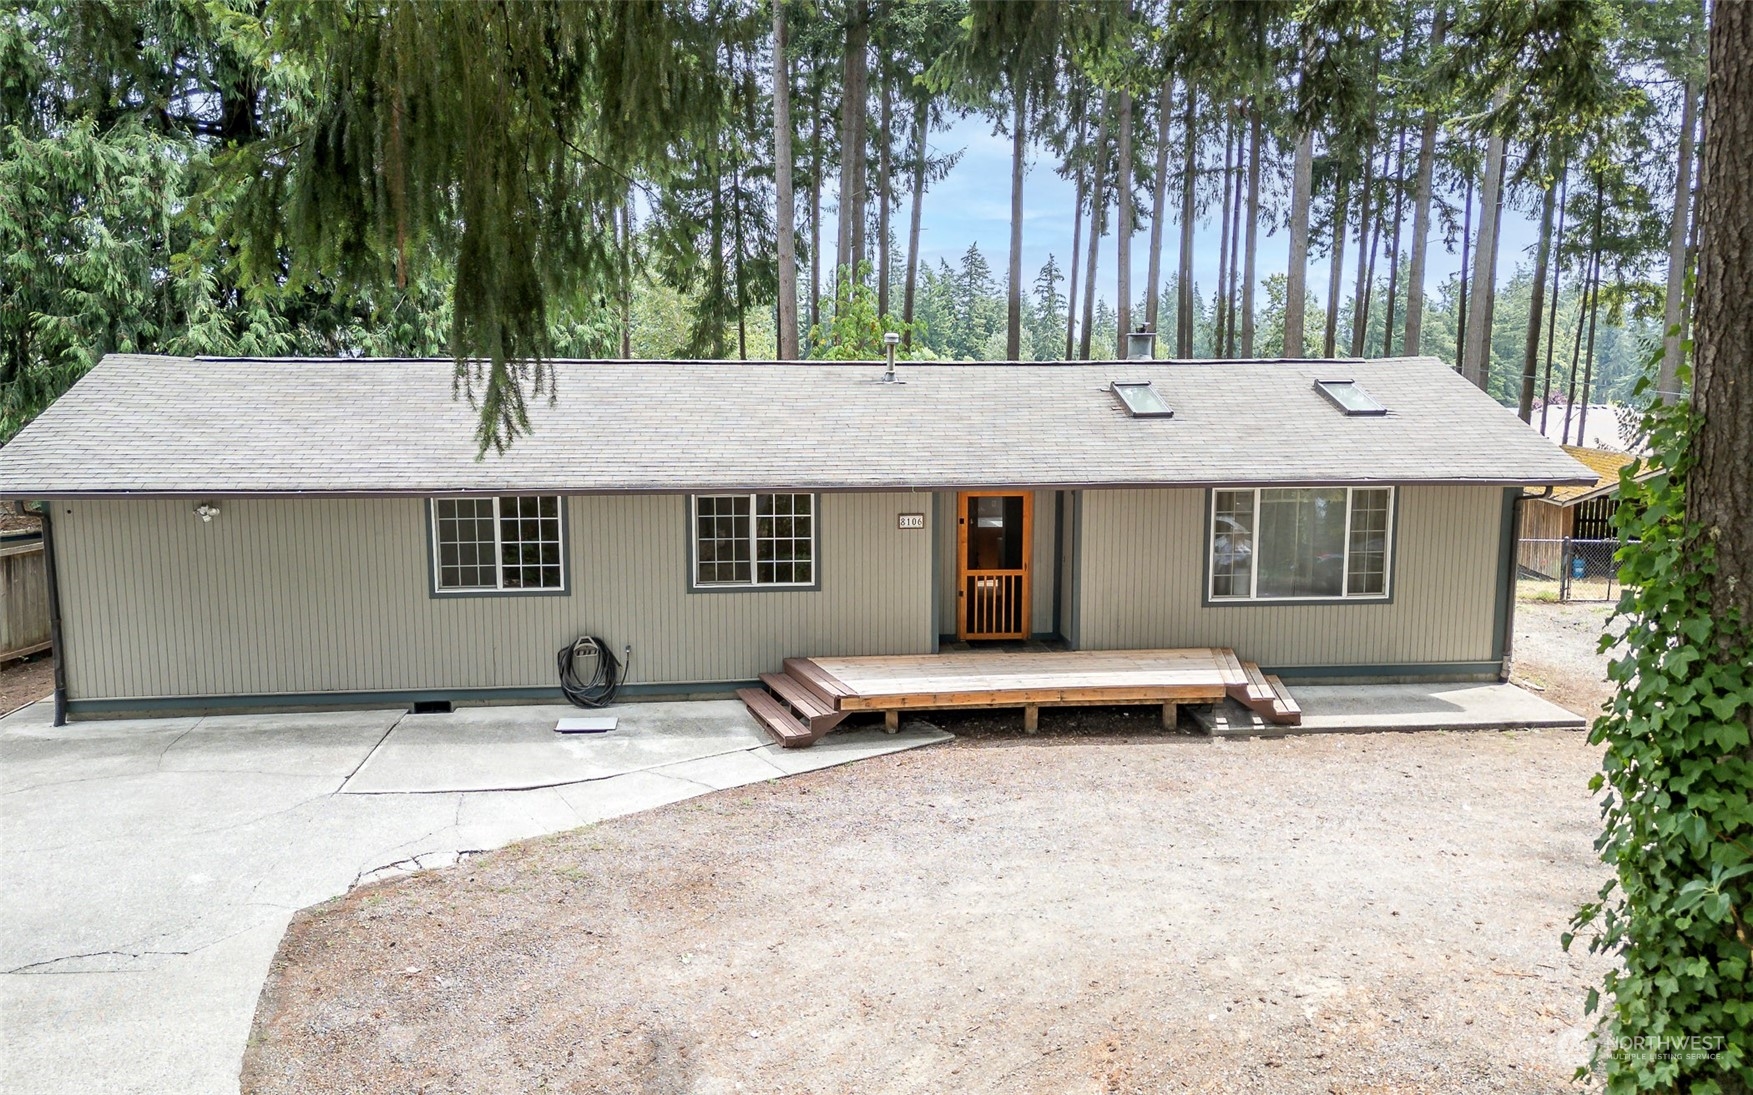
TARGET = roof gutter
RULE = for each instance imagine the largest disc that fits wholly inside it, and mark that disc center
(57, 649)
(1509, 577)
(801, 486)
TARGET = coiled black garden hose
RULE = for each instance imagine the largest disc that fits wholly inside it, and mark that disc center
(605, 678)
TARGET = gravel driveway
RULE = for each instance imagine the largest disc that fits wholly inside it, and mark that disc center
(1372, 913)
(1556, 653)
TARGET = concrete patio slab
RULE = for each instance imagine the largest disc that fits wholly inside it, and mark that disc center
(1329, 708)
(505, 748)
(148, 867)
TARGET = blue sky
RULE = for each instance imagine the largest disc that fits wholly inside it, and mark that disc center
(972, 204)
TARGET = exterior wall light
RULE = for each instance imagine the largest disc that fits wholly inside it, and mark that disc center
(206, 511)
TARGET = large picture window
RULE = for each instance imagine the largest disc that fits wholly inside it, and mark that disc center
(509, 544)
(1300, 543)
(754, 540)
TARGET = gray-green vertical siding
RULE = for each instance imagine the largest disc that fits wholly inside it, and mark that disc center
(1141, 580)
(333, 595)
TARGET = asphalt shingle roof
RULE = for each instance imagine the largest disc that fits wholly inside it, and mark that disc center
(197, 426)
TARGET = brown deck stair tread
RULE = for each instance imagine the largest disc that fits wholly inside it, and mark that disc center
(1283, 703)
(1258, 688)
(1231, 666)
(780, 722)
(817, 678)
(804, 700)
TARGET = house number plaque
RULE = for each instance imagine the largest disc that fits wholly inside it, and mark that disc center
(910, 520)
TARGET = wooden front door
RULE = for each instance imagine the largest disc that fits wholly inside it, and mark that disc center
(992, 564)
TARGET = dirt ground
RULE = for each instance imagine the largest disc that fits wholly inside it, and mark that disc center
(1555, 654)
(26, 680)
(1077, 913)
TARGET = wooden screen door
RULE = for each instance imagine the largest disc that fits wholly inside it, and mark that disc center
(992, 568)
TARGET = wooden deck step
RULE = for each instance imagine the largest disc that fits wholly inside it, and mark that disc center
(785, 727)
(1229, 665)
(1286, 711)
(818, 680)
(1258, 688)
(814, 708)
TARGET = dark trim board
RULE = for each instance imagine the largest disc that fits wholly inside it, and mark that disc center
(1477, 672)
(160, 706)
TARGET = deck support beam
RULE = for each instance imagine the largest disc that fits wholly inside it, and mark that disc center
(1171, 715)
(1031, 719)
(891, 720)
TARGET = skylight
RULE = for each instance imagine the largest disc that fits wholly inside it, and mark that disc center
(1350, 397)
(1142, 400)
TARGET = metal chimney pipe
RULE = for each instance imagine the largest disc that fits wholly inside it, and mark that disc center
(890, 341)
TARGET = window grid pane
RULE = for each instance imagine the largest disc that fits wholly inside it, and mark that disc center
(760, 539)
(512, 542)
(1367, 561)
(1232, 544)
(721, 539)
(465, 543)
(529, 541)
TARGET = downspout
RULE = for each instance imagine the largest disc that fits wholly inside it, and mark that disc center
(56, 650)
(1515, 556)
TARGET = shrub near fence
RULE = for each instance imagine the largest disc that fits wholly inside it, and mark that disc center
(1568, 570)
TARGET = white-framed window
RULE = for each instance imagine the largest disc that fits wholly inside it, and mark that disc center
(761, 540)
(510, 544)
(1300, 543)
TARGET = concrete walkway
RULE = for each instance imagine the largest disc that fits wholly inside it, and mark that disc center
(1340, 708)
(148, 868)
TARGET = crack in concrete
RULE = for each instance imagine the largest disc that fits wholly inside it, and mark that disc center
(27, 968)
(369, 753)
(300, 804)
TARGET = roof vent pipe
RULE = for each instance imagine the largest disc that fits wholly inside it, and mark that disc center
(890, 341)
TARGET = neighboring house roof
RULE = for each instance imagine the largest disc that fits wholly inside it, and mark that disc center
(1600, 425)
(1606, 466)
(198, 426)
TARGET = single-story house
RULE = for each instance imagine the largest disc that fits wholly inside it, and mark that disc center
(282, 533)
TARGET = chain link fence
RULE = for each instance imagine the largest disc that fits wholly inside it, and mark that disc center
(1568, 570)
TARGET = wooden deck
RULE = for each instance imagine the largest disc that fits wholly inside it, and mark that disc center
(822, 691)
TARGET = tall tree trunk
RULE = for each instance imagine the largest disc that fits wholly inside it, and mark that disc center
(816, 195)
(1123, 228)
(1220, 298)
(921, 128)
(1013, 302)
(627, 244)
(1189, 179)
(1591, 293)
(1466, 260)
(1336, 269)
(1360, 301)
(1476, 358)
(852, 126)
(1719, 492)
(1097, 207)
(1158, 205)
(784, 199)
(1582, 421)
(1297, 276)
(1394, 246)
(1552, 312)
(1674, 315)
(1076, 248)
(1421, 208)
(1250, 247)
(885, 188)
(1230, 287)
(1536, 303)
